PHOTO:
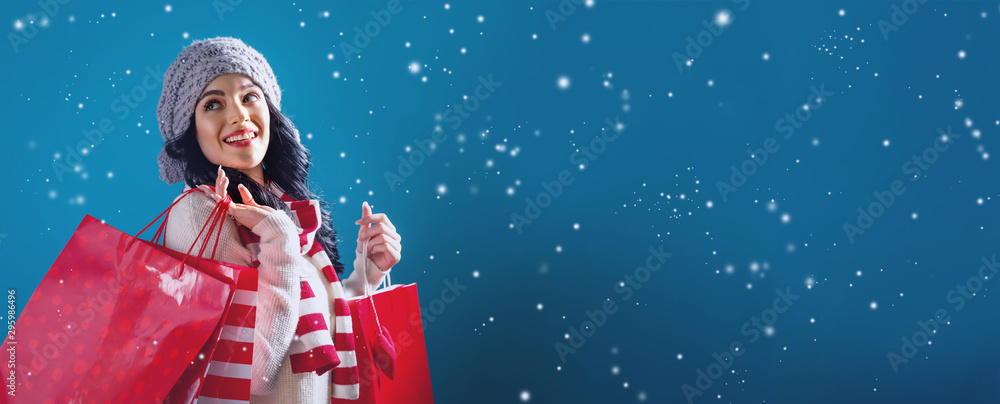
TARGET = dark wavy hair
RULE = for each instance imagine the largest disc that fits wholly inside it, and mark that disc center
(286, 163)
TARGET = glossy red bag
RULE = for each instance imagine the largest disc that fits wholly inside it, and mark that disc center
(406, 377)
(226, 375)
(119, 319)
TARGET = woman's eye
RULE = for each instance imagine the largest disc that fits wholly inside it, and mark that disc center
(208, 105)
(254, 95)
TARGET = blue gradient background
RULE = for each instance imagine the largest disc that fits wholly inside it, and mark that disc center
(493, 344)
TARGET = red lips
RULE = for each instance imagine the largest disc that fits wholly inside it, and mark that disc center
(237, 133)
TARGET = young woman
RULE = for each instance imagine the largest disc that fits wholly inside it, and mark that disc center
(221, 121)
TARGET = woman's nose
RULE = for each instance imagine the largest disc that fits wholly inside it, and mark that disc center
(242, 115)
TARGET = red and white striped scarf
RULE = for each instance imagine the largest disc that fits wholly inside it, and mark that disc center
(313, 349)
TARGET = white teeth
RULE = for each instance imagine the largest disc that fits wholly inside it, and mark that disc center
(245, 136)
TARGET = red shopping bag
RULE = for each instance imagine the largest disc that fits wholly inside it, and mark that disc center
(227, 375)
(397, 309)
(117, 319)
(224, 367)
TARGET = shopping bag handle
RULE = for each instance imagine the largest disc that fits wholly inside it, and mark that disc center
(368, 295)
(165, 212)
(215, 218)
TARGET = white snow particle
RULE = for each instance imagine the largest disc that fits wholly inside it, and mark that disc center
(563, 82)
(723, 18)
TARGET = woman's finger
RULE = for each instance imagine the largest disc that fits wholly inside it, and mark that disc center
(390, 252)
(378, 238)
(366, 210)
(374, 234)
(376, 218)
(247, 197)
(225, 185)
(219, 174)
(222, 183)
(383, 239)
(217, 199)
(378, 228)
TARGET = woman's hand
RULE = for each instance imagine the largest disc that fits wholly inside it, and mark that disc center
(383, 242)
(248, 213)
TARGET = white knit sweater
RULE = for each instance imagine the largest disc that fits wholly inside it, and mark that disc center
(282, 268)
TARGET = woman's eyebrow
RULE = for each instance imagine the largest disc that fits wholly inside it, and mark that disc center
(222, 93)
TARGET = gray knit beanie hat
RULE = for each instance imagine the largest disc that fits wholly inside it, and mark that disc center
(196, 66)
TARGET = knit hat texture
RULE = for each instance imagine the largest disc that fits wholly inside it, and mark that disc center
(196, 66)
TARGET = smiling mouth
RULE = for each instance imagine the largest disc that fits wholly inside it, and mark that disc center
(241, 139)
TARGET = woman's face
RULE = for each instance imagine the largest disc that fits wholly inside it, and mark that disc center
(230, 108)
